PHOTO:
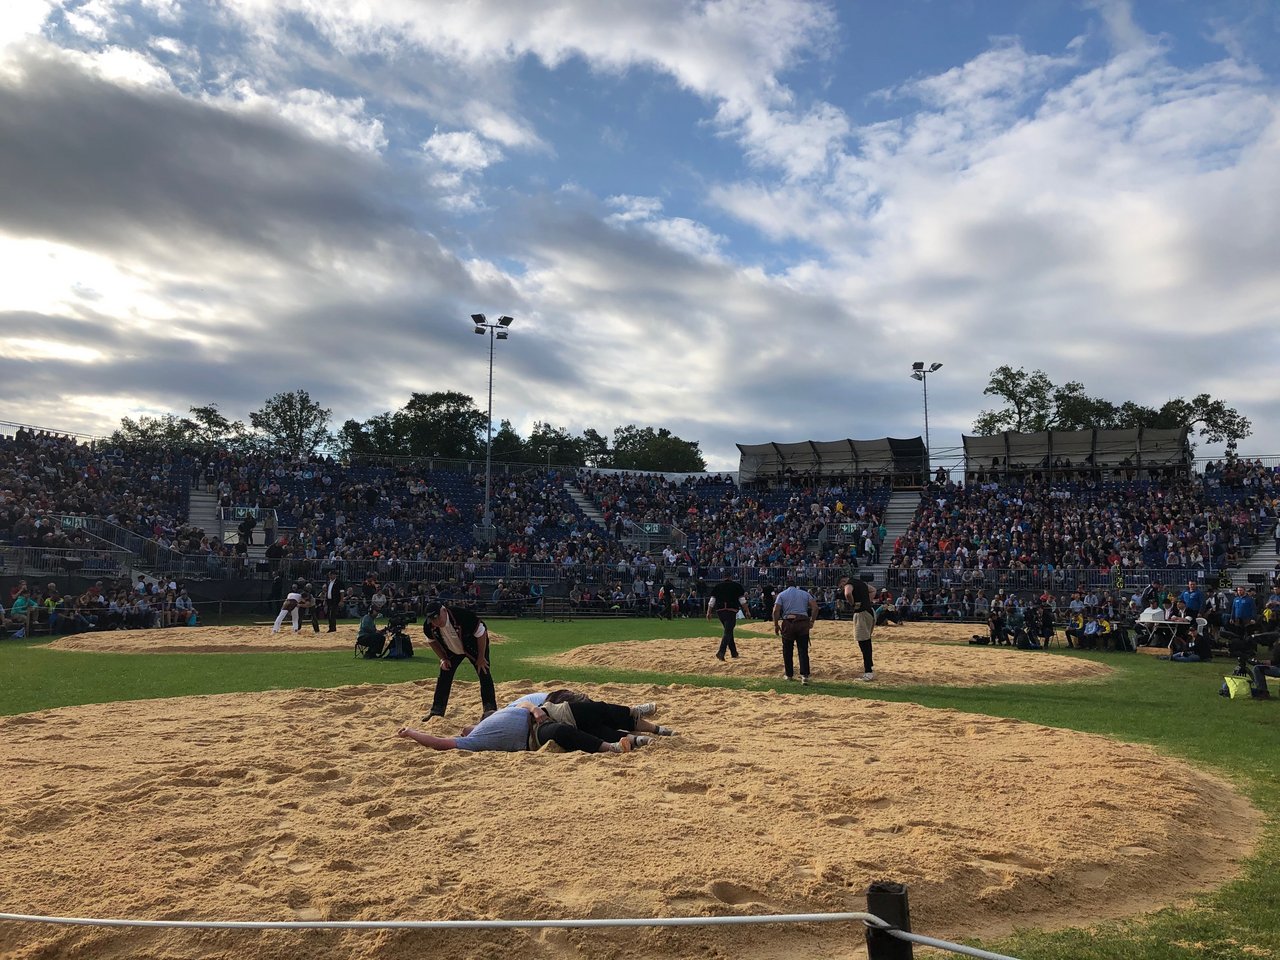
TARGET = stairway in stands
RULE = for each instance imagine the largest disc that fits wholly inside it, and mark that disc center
(584, 503)
(202, 512)
(898, 514)
(1261, 562)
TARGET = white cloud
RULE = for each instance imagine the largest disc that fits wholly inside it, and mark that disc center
(677, 233)
(20, 19)
(321, 114)
(461, 150)
(729, 52)
(633, 208)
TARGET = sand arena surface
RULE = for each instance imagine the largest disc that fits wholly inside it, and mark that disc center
(930, 631)
(251, 639)
(833, 655)
(302, 805)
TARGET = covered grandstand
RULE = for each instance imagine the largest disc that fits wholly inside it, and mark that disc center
(1111, 452)
(899, 462)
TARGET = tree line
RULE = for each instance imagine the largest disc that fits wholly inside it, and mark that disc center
(1033, 403)
(441, 425)
(447, 425)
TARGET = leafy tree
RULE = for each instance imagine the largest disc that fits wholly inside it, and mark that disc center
(508, 447)
(210, 428)
(569, 450)
(206, 427)
(440, 424)
(1218, 423)
(643, 448)
(167, 432)
(1027, 397)
(595, 449)
(1033, 403)
(292, 423)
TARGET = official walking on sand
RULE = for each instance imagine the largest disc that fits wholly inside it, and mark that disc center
(794, 613)
(727, 598)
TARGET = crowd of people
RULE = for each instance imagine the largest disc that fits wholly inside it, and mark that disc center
(383, 519)
(1190, 523)
(46, 608)
(49, 482)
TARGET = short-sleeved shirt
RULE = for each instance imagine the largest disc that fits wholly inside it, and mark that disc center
(860, 594)
(506, 730)
(793, 601)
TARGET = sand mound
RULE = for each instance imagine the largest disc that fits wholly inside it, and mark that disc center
(838, 658)
(253, 639)
(301, 804)
(912, 632)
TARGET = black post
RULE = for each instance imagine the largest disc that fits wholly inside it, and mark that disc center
(888, 901)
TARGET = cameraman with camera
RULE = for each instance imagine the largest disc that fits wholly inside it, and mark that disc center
(372, 638)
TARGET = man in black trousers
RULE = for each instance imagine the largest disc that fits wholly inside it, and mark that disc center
(331, 594)
(858, 596)
(457, 634)
(727, 598)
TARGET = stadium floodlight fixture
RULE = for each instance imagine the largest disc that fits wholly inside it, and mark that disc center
(497, 331)
(920, 372)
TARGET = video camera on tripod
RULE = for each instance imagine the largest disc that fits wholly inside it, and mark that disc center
(397, 620)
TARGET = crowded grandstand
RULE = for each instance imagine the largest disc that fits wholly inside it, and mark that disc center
(110, 538)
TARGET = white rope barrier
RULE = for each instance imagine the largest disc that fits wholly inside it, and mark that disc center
(869, 919)
(945, 945)
(451, 924)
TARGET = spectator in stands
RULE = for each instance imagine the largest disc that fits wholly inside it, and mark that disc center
(25, 607)
(185, 608)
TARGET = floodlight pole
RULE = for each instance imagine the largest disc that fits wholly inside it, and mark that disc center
(919, 371)
(488, 443)
(498, 331)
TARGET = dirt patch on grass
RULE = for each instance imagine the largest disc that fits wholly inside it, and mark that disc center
(836, 657)
(250, 639)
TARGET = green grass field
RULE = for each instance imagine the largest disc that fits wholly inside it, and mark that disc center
(1174, 707)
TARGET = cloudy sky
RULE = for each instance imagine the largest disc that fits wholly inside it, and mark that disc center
(741, 220)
